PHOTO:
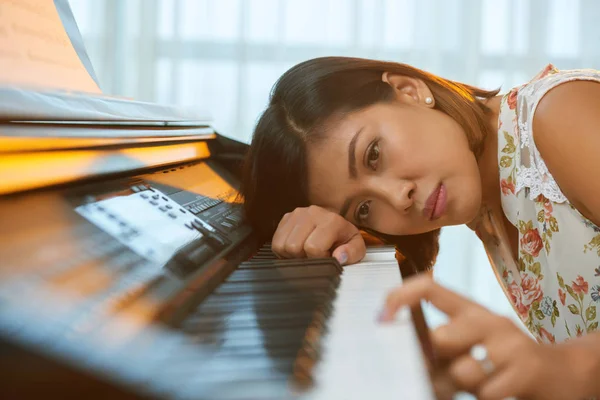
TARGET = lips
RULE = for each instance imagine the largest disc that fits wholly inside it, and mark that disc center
(435, 205)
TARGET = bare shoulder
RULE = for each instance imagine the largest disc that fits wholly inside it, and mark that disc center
(566, 131)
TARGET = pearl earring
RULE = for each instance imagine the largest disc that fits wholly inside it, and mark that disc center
(428, 100)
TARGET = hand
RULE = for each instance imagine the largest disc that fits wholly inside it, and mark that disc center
(316, 232)
(517, 366)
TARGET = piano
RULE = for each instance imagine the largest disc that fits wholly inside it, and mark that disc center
(127, 269)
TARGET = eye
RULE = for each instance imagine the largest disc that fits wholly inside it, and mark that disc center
(373, 155)
(362, 211)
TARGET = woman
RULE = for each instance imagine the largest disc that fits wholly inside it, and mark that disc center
(348, 144)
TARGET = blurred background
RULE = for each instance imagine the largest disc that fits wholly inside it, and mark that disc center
(223, 56)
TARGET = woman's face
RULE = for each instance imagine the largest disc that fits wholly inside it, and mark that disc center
(399, 168)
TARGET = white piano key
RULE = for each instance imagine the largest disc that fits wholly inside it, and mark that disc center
(361, 357)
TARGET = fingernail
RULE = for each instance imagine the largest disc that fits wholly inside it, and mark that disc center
(383, 316)
(342, 258)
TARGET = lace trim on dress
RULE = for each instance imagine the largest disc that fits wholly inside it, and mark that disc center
(533, 173)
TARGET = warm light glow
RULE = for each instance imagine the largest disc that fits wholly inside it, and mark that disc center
(22, 144)
(32, 170)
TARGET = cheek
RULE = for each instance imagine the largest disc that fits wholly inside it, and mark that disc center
(467, 196)
(430, 138)
(390, 222)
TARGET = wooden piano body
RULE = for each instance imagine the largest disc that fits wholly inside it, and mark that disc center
(127, 270)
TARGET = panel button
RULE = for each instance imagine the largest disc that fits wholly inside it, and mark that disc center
(201, 225)
(232, 221)
(217, 241)
(201, 254)
(227, 225)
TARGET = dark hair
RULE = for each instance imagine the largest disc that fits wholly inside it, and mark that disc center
(304, 100)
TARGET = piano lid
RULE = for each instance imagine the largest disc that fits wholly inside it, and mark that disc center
(46, 74)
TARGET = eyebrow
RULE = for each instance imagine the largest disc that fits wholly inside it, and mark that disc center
(352, 172)
(352, 155)
(345, 207)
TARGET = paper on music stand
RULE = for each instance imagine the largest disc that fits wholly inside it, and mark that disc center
(35, 50)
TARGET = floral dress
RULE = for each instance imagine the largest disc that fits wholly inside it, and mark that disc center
(554, 286)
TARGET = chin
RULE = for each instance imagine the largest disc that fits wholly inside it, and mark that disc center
(470, 211)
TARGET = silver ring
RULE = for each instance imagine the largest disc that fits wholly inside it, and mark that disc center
(480, 354)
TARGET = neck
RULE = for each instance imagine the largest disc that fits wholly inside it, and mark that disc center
(488, 161)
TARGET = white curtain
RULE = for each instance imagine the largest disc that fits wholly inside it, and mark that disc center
(224, 55)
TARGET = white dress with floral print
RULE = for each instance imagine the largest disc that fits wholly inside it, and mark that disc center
(554, 285)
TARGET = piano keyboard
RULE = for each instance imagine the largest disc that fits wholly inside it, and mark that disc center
(363, 358)
(274, 336)
(209, 323)
(258, 336)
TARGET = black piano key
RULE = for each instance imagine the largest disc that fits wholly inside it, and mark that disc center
(265, 253)
(283, 273)
(250, 325)
(242, 314)
(239, 358)
(228, 364)
(245, 388)
(275, 337)
(250, 320)
(223, 364)
(281, 352)
(236, 300)
(286, 262)
(265, 256)
(262, 308)
(264, 322)
(306, 284)
(265, 305)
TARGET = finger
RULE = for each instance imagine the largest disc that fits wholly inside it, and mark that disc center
(508, 383)
(351, 252)
(281, 234)
(466, 373)
(318, 243)
(443, 385)
(321, 240)
(462, 333)
(347, 240)
(294, 243)
(423, 287)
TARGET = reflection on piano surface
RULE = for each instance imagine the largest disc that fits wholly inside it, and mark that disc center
(127, 271)
(153, 290)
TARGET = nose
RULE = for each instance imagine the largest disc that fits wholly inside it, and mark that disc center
(401, 196)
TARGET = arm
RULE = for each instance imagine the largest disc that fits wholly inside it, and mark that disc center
(566, 130)
(583, 354)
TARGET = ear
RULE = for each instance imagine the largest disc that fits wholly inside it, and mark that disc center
(409, 90)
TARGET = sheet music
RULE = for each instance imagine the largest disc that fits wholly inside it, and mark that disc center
(35, 50)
